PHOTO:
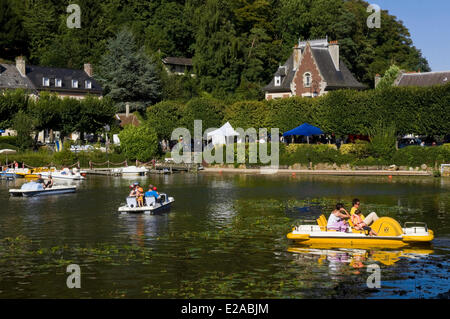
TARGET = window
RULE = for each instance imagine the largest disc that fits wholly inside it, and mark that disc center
(277, 80)
(307, 80)
(58, 83)
(88, 84)
(45, 82)
(75, 84)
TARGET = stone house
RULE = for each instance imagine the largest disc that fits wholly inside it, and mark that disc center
(313, 69)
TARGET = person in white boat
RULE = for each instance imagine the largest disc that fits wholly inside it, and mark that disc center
(152, 192)
(338, 217)
(40, 180)
(140, 196)
(133, 192)
(49, 184)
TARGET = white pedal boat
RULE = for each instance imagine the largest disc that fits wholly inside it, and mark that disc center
(65, 174)
(151, 205)
(34, 189)
(131, 171)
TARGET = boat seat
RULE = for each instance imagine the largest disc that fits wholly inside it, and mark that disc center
(150, 201)
(132, 202)
(322, 222)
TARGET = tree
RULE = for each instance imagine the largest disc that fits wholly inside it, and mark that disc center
(140, 143)
(127, 73)
(23, 124)
(208, 110)
(13, 38)
(11, 102)
(164, 117)
(389, 77)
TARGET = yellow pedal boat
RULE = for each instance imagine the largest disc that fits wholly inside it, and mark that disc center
(390, 234)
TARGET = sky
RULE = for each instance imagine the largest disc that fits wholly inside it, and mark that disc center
(428, 22)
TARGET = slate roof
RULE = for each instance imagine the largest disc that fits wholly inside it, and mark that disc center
(335, 79)
(10, 78)
(288, 70)
(178, 61)
(37, 73)
(423, 79)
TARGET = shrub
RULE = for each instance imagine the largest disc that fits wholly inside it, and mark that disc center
(304, 154)
(139, 143)
(12, 140)
(415, 156)
(382, 141)
(360, 149)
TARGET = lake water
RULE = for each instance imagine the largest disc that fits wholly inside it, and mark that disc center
(225, 237)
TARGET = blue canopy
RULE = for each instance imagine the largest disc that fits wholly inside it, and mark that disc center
(305, 130)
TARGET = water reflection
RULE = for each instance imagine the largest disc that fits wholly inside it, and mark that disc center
(359, 258)
(220, 207)
(141, 227)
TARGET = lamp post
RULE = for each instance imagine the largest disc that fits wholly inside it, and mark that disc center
(107, 130)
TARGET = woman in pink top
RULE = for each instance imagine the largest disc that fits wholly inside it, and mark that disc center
(337, 220)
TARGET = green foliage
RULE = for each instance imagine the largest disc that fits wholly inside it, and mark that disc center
(287, 114)
(12, 140)
(139, 143)
(389, 77)
(13, 38)
(232, 41)
(164, 117)
(127, 73)
(247, 114)
(359, 149)
(382, 141)
(23, 124)
(11, 102)
(306, 154)
(208, 110)
(415, 156)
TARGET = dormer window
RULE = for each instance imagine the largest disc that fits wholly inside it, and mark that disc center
(58, 83)
(45, 82)
(277, 80)
(307, 80)
(88, 84)
(75, 84)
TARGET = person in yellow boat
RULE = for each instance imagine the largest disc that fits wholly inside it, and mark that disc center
(370, 219)
(338, 217)
(140, 196)
(359, 224)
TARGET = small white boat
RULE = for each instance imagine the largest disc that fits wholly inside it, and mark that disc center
(65, 174)
(151, 205)
(35, 189)
(131, 171)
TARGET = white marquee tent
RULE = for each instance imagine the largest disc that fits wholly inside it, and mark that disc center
(223, 135)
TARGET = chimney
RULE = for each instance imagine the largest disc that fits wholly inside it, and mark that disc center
(377, 79)
(333, 48)
(297, 56)
(88, 69)
(127, 109)
(21, 65)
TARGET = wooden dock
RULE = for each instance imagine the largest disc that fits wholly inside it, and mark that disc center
(158, 169)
